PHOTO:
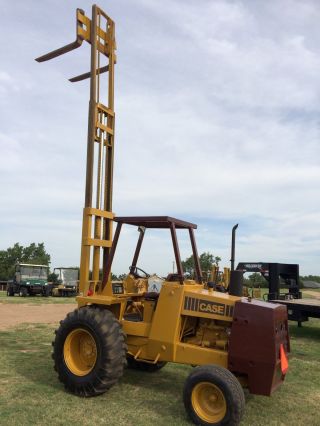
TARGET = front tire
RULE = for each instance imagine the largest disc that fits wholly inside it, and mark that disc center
(89, 351)
(45, 292)
(10, 292)
(213, 396)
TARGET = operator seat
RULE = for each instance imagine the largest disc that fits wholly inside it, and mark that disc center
(173, 277)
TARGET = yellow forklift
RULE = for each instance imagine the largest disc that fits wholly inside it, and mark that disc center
(234, 342)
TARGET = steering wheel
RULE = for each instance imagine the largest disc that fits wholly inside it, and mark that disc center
(136, 274)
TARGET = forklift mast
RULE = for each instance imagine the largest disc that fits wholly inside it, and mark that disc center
(99, 32)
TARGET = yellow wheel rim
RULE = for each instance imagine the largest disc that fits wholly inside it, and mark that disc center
(208, 402)
(80, 352)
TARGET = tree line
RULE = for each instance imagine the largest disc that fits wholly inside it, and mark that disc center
(36, 254)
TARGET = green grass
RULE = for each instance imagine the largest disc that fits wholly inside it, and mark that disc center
(30, 393)
(264, 292)
(309, 296)
(34, 300)
(37, 300)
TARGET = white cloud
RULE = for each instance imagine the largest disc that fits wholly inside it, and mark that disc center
(217, 119)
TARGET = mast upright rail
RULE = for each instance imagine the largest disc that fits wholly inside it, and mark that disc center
(99, 32)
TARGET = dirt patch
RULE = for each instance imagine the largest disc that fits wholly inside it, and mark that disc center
(12, 314)
(315, 294)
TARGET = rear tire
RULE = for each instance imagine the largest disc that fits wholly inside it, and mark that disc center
(23, 292)
(213, 396)
(144, 366)
(89, 351)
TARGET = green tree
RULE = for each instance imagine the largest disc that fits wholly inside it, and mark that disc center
(255, 280)
(207, 260)
(121, 277)
(34, 254)
(315, 278)
(53, 278)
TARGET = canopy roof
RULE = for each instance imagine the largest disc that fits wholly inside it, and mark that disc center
(155, 222)
(31, 264)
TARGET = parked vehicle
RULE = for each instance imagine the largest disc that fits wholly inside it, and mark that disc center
(29, 280)
(68, 282)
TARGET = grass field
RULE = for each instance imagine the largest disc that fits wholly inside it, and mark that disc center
(30, 393)
(43, 300)
(265, 290)
(34, 300)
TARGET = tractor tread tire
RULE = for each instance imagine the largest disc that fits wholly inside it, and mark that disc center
(23, 292)
(45, 292)
(144, 366)
(10, 292)
(227, 383)
(111, 351)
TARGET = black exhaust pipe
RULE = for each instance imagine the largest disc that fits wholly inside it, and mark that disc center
(236, 283)
(233, 245)
(236, 277)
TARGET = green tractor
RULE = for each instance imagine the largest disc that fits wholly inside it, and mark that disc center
(68, 282)
(29, 280)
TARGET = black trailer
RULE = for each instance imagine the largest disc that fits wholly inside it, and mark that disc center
(301, 309)
(282, 278)
(284, 288)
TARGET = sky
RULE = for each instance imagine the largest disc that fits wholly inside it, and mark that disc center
(217, 123)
